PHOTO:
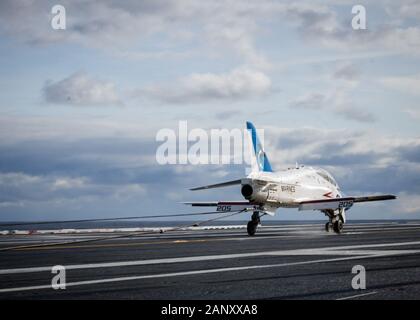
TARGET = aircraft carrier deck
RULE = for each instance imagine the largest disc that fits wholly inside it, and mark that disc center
(298, 261)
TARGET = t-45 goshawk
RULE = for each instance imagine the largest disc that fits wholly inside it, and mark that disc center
(305, 188)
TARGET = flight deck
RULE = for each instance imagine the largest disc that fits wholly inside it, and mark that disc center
(282, 261)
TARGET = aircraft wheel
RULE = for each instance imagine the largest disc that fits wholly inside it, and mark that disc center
(251, 228)
(328, 226)
(338, 226)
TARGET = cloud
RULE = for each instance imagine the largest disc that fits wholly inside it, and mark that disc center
(410, 152)
(406, 84)
(341, 82)
(229, 114)
(20, 189)
(90, 174)
(203, 87)
(87, 179)
(389, 179)
(321, 25)
(63, 158)
(410, 9)
(114, 25)
(15, 130)
(81, 90)
(106, 159)
(216, 27)
(334, 101)
(390, 164)
(354, 113)
(407, 203)
(346, 71)
(413, 112)
(401, 40)
(106, 174)
(313, 100)
(68, 183)
(313, 20)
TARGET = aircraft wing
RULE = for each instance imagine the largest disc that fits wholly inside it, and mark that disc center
(218, 185)
(232, 206)
(225, 206)
(339, 203)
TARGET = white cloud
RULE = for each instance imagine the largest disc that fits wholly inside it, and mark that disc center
(346, 71)
(321, 25)
(129, 191)
(401, 40)
(202, 87)
(15, 129)
(406, 84)
(406, 9)
(413, 112)
(408, 203)
(21, 189)
(312, 100)
(113, 25)
(68, 183)
(287, 145)
(80, 89)
(354, 113)
(337, 98)
(220, 25)
(16, 179)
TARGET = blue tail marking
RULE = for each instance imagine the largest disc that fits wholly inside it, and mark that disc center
(261, 157)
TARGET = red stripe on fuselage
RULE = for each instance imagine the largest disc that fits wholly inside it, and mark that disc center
(328, 194)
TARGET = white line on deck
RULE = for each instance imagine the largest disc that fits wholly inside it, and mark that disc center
(357, 295)
(335, 251)
(184, 273)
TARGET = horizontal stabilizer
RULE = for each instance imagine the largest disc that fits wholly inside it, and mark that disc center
(218, 185)
(340, 203)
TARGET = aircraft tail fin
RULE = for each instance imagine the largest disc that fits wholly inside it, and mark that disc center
(261, 162)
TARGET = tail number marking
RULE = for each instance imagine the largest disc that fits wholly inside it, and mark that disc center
(345, 204)
(221, 207)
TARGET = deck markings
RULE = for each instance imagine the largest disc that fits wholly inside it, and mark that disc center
(335, 251)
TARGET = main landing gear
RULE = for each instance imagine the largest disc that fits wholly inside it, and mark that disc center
(336, 222)
(251, 228)
(336, 226)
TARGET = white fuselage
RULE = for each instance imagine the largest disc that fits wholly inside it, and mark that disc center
(289, 187)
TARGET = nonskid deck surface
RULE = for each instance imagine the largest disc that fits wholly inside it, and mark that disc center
(279, 262)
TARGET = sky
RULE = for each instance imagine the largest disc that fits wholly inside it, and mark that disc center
(80, 107)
